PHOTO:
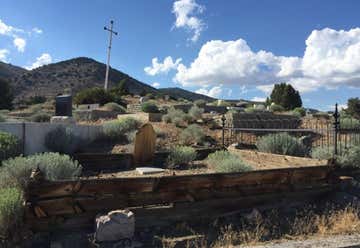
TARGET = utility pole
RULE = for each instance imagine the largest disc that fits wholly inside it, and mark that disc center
(111, 32)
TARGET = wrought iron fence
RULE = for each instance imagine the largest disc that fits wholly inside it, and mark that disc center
(336, 132)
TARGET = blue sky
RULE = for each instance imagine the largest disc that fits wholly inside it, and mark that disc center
(228, 49)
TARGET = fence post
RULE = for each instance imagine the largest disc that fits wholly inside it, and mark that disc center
(223, 119)
(336, 130)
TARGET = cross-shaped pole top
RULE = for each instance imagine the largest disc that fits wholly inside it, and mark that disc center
(111, 28)
(111, 32)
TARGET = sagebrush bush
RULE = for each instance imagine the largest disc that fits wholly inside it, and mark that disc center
(117, 129)
(93, 95)
(181, 156)
(149, 107)
(9, 146)
(350, 157)
(200, 103)
(349, 122)
(2, 118)
(276, 108)
(54, 166)
(62, 140)
(322, 152)
(281, 143)
(40, 117)
(195, 112)
(193, 134)
(174, 115)
(224, 161)
(113, 106)
(11, 210)
(299, 111)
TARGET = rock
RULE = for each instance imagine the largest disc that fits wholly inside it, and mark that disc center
(116, 225)
(149, 170)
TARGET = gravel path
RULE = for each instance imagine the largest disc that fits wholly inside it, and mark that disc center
(334, 241)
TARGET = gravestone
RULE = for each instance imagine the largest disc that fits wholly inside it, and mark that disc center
(144, 145)
(63, 106)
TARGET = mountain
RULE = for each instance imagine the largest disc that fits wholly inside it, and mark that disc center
(9, 71)
(72, 75)
(181, 93)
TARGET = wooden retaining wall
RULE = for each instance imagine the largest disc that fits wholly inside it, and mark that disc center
(160, 200)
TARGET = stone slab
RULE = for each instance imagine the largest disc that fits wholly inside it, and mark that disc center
(149, 170)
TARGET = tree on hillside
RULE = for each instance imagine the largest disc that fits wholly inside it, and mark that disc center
(285, 95)
(354, 107)
(6, 95)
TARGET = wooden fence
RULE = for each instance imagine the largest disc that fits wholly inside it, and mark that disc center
(160, 200)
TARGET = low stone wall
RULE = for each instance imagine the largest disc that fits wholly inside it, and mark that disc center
(155, 117)
(207, 109)
(33, 135)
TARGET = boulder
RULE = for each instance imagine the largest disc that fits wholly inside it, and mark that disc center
(116, 225)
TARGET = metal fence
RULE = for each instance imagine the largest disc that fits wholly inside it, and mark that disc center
(334, 132)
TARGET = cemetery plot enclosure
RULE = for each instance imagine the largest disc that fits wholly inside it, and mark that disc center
(160, 200)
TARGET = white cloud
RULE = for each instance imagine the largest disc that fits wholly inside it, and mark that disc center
(185, 12)
(215, 91)
(37, 30)
(258, 99)
(3, 54)
(20, 44)
(161, 68)
(331, 59)
(44, 59)
(156, 84)
(9, 30)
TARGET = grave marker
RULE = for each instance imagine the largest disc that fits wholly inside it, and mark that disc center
(144, 144)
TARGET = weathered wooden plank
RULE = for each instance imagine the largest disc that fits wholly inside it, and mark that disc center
(165, 215)
(178, 183)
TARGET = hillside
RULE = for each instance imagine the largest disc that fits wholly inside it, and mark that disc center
(9, 71)
(181, 93)
(74, 74)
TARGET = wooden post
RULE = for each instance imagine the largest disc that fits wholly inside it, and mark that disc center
(144, 144)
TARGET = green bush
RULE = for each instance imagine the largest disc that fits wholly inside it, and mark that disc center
(93, 95)
(224, 161)
(250, 110)
(281, 143)
(149, 107)
(62, 140)
(117, 129)
(350, 157)
(349, 123)
(193, 134)
(200, 103)
(195, 112)
(40, 117)
(180, 156)
(11, 210)
(2, 118)
(174, 114)
(276, 108)
(9, 146)
(54, 166)
(113, 106)
(322, 152)
(299, 111)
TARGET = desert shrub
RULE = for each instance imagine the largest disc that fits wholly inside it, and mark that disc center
(200, 103)
(350, 157)
(54, 166)
(299, 111)
(322, 152)
(195, 112)
(193, 134)
(249, 110)
(281, 143)
(149, 107)
(62, 140)
(11, 210)
(9, 146)
(349, 123)
(35, 100)
(40, 117)
(113, 106)
(130, 136)
(174, 115)
(180, 156)
(2, 118)
(93, 95)
(116, 129)
(224, 161)
(259, 107)
(276, 108)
